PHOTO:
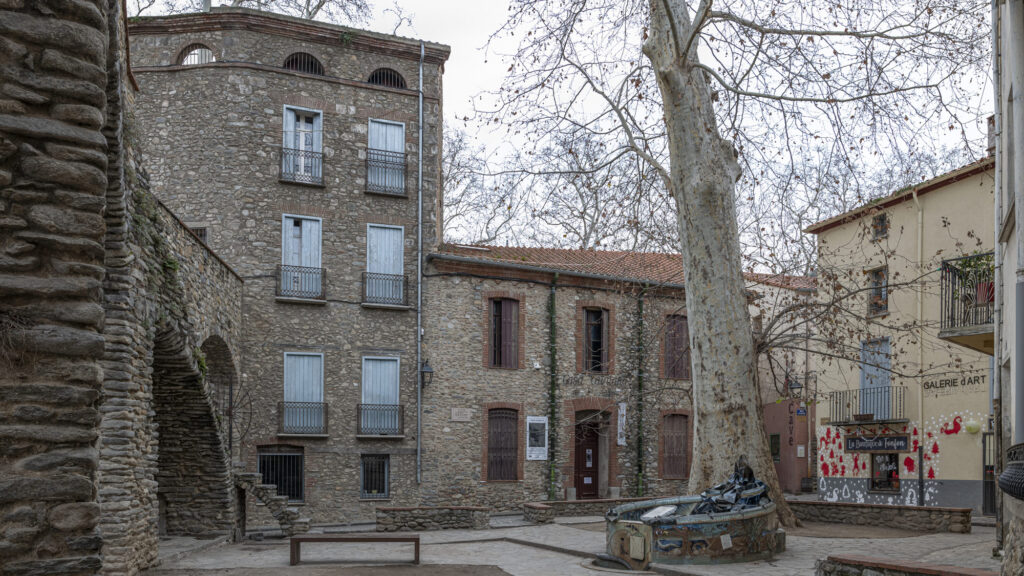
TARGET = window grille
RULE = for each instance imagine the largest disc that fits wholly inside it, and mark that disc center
(677, 347)
(502, 444)
(303, 62)
(200, 233)
(504, 345)
(878, 296)
(374, 470)
(675, 431)
(196, 54)
(282, 466)
(387, 77)
(595, 348)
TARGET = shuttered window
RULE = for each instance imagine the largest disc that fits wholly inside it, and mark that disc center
(675, 439)
(595, 336)
(677, 347)
(504, 344)
(502, 444)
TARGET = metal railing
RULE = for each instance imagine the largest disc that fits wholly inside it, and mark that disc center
(302, 417)
(881, 403)
(384, 289)
(374, 469)
(300, 282)
(385, 172)
(968, 291)
(380, 419)
(303, 166)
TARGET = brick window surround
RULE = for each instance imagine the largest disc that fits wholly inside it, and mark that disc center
(486, 327)
(663, 356)
(581, 341)
(661, 442)
(520, 439)
(587, 404)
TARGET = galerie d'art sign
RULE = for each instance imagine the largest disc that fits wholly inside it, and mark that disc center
(878, 444)
(950, 384)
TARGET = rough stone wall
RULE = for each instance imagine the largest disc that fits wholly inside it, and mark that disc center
(846, 565)
(228, 117)
(1013, 536)
(432, 518)
(454, 340)
(54, 62)
(926, 519)
(547, 511)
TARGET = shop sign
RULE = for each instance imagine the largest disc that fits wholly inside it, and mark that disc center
(951, 384)
(801, 411)
(878, 444)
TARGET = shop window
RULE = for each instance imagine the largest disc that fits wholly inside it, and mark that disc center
(502, 444)
(677, 348)
(885, 473)
(775, 444)
(374, 473)
(503, 348)
(282, 466)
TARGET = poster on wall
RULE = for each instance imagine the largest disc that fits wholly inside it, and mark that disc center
(621, 436)
(536, 437)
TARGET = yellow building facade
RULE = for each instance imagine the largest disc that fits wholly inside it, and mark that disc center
(906, 295)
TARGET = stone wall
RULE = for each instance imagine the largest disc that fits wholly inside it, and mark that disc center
(432, 518)
(864, 566)
(547, 511)
(926, 519)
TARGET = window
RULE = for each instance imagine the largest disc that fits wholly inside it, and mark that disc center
(502, 444)
(677, 347)
(878, 295)
(196, 54)
(880, 226)
(385, 158)
(504, 333)
(282, 466)
(675, 440)
(302, 146)
(384, 279)
(303, 409)
(775, 445)
(380, 413)
(303, 62)
(374, 474)
(885, 472)
(595, 340)
(301, 274)
(200, 232)
(387, 77)
(876, 396)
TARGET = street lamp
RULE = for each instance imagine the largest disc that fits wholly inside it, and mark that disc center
(426, 372)
(795, 386)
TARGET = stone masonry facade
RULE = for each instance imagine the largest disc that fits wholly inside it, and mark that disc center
(118, 326)
(212, 136)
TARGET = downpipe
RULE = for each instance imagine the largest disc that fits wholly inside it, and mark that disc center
(419, 277)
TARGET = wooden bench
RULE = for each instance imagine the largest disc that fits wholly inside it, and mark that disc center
(297, 541)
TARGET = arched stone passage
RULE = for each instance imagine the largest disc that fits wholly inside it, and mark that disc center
(194, 486)
(221, 380)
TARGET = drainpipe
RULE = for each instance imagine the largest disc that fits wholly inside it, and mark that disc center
(419, 279)
(920, 318)
(641, 359)
(996, 382)
(552, 393)
(1016, 48)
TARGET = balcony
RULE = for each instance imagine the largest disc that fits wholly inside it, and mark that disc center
(385, 172)
(300, 282)
(968, 302)
(882, 404)
(380, 420)
(384, 290)
(302, 418)
(302, 166)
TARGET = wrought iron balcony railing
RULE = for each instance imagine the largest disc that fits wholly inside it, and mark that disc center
(878, 404)
(968, 291)
(302, 166)
(302, 418)
(385, 172)
(386, 289)
(380, 419)
(300, 282)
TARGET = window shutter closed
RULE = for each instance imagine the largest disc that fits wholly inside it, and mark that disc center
(605, 341)
(502, 444)
(288, 129)
(675, 432)
(677, 348)
(509, 333)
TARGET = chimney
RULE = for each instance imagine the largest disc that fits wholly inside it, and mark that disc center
(206, 5)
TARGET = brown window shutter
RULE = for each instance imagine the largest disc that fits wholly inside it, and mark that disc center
(677, 348)
(494, 344)
(502, 444)
(509, 329)
(675, 430)
(604, 341)
(684, 345)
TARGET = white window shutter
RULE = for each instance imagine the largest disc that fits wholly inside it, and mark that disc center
(303, 378)
(318, 132)
(288, 128)
(311, 243)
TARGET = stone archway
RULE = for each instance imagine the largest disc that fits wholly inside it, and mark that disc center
(218, 366)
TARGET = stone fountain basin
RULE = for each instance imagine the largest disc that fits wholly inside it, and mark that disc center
(744, 535)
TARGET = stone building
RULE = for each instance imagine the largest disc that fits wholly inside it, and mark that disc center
(904, 378)
(557, 374)
(296, 150)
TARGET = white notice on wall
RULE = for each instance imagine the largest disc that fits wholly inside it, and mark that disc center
(462, 414)
(726, 541)
(588, 480)
(621, 436)
(536, 437)
(801, 451)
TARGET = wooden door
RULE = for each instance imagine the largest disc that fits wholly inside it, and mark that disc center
(587, 459)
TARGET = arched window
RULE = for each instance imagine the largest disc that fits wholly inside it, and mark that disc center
(196, 54)
(387, 77)
(303, 62)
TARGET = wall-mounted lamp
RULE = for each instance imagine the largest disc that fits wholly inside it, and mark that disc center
(426, 373)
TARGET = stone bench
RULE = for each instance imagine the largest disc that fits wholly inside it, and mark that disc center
(919, 518)
(296, 542)
(850, 565)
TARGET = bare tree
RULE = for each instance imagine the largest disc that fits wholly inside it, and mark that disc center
(707, 94)
(338, 11)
